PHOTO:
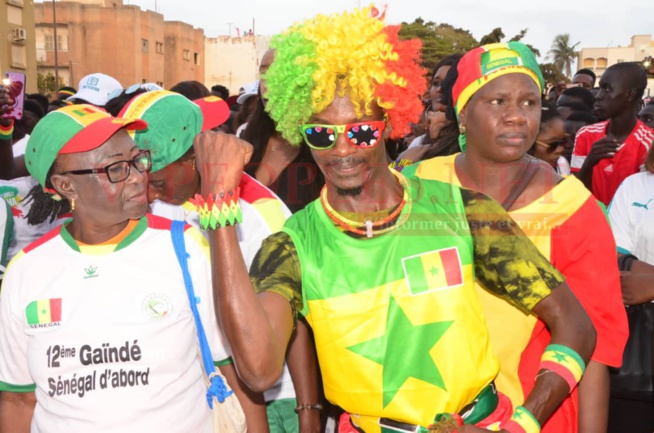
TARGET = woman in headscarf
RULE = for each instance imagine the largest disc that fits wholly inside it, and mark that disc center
(96, 329)
(497, 98)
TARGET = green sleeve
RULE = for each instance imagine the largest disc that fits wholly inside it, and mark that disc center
(276, 268)
(506, 262)
(7, 236)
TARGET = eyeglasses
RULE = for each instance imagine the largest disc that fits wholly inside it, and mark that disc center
(551, 147)
(360, 134)
(119, 171)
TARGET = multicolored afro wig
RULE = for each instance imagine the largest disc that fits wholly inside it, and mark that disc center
(352, 53)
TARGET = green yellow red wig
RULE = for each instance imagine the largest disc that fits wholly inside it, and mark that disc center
(352, 53)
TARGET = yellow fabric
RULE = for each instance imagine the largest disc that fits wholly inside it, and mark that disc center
(509, 327)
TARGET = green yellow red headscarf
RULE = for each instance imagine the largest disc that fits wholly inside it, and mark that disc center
(480, 66)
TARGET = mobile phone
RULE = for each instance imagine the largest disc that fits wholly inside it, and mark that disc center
(15, 83)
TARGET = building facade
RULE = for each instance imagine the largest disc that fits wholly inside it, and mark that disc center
(131, 45)
(17, 53)
(234, 61)
(598, 59)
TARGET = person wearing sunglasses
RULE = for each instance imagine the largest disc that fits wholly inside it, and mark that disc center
(382, 266)
(497, 97)
(552, 140)
(96, 330)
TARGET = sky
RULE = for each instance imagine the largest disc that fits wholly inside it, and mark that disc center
(593, 24)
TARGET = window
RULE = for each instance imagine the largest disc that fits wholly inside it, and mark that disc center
(145, 45)
(49, 43)
(160, 83)
(159, 47)
(589, 62)
(602, 63)
(186, 55)
(196, 58)
(18, 3)
(18, 56)
(14, 15)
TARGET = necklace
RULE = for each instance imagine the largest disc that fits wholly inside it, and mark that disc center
(371, 227)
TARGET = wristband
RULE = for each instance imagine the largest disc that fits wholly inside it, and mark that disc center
(314, 406)
(7, 132)
(218, 210)
(565, 362)
(399, 164)
(522, 421)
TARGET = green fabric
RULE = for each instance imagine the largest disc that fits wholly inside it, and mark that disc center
(7, 387)
(8, 235)
(282, 417)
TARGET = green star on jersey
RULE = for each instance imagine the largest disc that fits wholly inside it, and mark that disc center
(398, 365)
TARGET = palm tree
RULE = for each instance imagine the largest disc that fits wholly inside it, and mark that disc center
(562, 53)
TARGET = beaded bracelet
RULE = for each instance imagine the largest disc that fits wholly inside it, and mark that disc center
(565, 362)
(7, 132)
(218, 210)
(314, 406)
(522, 421)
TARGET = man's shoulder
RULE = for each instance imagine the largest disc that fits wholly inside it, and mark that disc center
(596, 129)
(642, 134)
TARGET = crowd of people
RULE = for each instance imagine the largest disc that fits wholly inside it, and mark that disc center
(370, 247)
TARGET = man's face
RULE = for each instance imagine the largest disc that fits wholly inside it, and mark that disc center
(348, 169)
(586, 81)
(266, 61)
(613, 96)
(646, 115)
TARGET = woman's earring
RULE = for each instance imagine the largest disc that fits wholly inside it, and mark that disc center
(72, 204)
(462, 130)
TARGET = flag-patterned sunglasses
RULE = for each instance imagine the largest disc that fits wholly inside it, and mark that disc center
(360, 134)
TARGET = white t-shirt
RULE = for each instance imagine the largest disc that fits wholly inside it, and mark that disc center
(107, 339)
(631, 213)
(263, 214)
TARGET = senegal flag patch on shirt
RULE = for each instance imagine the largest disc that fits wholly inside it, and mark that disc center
(433, 270)
(44, 312)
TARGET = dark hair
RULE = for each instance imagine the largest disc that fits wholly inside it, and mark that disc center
(191, 89)
(222, 91)
(634, 74)
(446, 89)
(588, 72)
(548, 112)
(581, 93)
(44, 206)
(576, 106)
(33, 106)
(449, 60)
(56, 104)
(64, 96)
(582, 116)
(115, 105)
(258, 131)
(42, 100)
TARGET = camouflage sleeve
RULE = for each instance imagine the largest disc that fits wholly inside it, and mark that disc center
(276, 268)
(506, 262)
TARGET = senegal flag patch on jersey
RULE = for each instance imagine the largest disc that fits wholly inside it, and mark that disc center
(434, 270)
(44, 312)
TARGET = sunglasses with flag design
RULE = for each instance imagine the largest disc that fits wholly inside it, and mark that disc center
(359, 134)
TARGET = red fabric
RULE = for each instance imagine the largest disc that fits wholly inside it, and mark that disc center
(501, 414)
(587, 258)
(609, 173)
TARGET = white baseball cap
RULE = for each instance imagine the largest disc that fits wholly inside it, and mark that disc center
(95, 89)
(248, 90)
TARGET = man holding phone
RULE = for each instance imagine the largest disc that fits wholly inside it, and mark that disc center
(606, 153)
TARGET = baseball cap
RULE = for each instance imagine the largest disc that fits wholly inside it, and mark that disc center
(95, 88)
(173, 122)
(71, 129)
(248, 90)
